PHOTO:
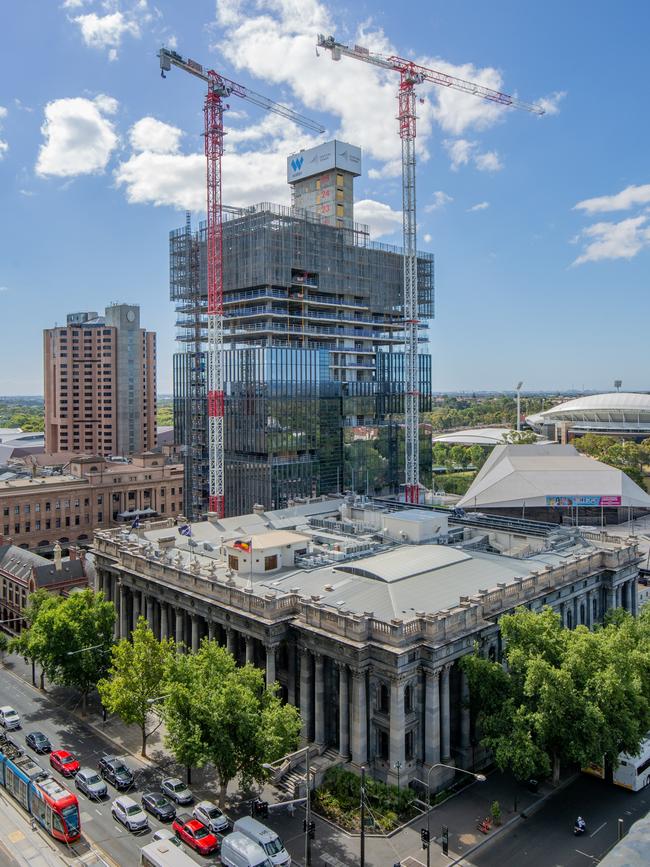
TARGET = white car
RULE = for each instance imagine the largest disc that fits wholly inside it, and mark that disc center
(212, 817)
(9, 719)
(166, 834)
(130, 814)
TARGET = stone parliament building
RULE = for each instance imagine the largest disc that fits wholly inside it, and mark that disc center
(360, 613)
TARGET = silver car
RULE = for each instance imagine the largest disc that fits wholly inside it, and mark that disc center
(130, 814)
(177, 790)
(90, 783)
(212, 817)
(9, 718)
(166, 834)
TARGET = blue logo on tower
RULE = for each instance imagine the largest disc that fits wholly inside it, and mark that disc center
(296, 164)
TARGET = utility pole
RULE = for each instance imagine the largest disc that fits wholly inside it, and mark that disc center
(308, 810)
(362, 860)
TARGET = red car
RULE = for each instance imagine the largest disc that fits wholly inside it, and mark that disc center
(64, 762)
(195, 834)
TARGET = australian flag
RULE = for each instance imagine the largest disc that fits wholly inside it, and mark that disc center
(136, 524)
(185, 530)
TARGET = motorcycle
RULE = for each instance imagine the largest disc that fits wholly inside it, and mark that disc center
(580, 826)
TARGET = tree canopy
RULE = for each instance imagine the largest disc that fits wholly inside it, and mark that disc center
(222, 714)
(563, 696)
(628, 456)
(137, 676)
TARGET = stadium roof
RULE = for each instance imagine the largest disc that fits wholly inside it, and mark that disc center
(485, 436)
(549, 476)
(614, 411)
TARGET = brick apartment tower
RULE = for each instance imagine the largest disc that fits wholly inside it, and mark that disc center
(100, 384)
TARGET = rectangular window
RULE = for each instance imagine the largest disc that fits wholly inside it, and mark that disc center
(270, 562)
(48, 523)
(27, 509)
(37, 525)
(37, 507)
(57, 523)
(100, 517)
(233, 562)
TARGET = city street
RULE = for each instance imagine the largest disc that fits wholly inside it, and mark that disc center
(546, 839)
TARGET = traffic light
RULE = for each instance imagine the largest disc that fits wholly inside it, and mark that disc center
(264, 809)
(312, 828)
(259, 808)
(425, 837)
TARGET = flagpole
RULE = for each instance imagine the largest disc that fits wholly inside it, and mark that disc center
(250, 580)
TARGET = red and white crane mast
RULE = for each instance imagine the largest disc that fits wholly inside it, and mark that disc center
(412, 74)
(219, 88)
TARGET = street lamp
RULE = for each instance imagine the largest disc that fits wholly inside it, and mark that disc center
(480, 778)
(307, 751)
(518, 390)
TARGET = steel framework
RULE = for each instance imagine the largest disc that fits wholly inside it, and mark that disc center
(412, 74)
(218, 89)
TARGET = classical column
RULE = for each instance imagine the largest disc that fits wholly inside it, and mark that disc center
(319, 698)
(306, 689)
(150, 612)
(211, 629)
(270, 664)
(464, 711)
(291, 673)
(164, 621)
(611, 598)
(359, 729)
(397, 754)
(124, 621)
(576, 611)
(632, 596)
(250, 649)
(432, 717)
(195, 633)
(588, 618)
(178, 631)
(135, 595)
(444, 714)
(231, 641)
(344, 712)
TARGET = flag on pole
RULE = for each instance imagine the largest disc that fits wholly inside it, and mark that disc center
(136, 524)
(185, 530)
(243, 546)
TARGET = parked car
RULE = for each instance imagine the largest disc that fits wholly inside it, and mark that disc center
(212, 817)
(115, 772)
(9, 719)
(130, 814)
(168, 835)
(159, 806)
(91, 784)
(177, 790)
(64, 762)
(195, 834)
(38, 742)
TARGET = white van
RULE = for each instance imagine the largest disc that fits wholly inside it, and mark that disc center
(266, 838)
(237, 850)
(9, 719)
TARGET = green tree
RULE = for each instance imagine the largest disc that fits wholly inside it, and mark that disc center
(459, 456)
(568, 696)
(440, 455)
(223, 714)
(478, 455)
(136, 677)
(520, 437)
(31, 643)
(74, 639)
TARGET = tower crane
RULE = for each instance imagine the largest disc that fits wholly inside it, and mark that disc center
(219, 88)
(412, 74)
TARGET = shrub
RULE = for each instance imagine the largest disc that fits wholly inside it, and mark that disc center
(339, 796)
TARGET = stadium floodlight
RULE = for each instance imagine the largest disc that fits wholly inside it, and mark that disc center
(518, 390)
(617, 384)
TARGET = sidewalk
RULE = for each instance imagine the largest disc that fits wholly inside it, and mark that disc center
(20, 844)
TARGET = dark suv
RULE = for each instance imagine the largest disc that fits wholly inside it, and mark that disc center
(115, 772)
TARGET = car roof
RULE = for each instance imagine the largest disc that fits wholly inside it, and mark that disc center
(164, 834)
(86, 771)
(154, 795)
(7, 707)
(194, 823)
(205, 805)
(125, 801)
(173, 780)
(244, 845)
(255, 827)
(37, 735)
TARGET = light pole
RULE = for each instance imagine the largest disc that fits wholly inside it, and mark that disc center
(480, 778)
(518, 390)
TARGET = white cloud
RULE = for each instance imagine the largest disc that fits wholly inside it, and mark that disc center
(479, 206)
(4, 147)
(488, 162)
(149, 134)
(79, 138)
(462, 152)
(380, 218)
(427, 238)
(622, 240)
(107, 31)
(4, 288)
(275, 41)
(73, 4)
(551, 103)
(627, 198)
(440, 199)
(164, 179)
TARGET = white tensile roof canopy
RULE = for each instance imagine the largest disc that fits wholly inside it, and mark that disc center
(534, 475)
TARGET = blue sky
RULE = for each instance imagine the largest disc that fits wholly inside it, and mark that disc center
(541, 226)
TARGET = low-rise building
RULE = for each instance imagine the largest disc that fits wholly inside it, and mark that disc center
(22, 572)
(363, 633)
(93, 492)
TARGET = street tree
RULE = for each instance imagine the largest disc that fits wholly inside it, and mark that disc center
(136, 678)
(74, 638)
(564, 696)
(31, 643)
(222, 714)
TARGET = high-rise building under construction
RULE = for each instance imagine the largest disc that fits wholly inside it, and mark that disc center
(313, 345)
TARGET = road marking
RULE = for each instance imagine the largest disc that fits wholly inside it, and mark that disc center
(16, 836)
(599, 828)
(586, 854)
(99, 812)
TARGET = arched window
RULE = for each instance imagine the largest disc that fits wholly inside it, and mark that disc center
(595, 609)
(408, 698)
(582, 612)
(383, 698)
